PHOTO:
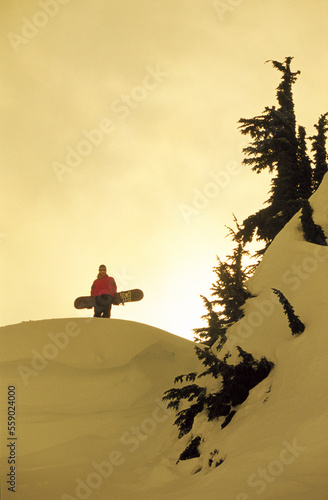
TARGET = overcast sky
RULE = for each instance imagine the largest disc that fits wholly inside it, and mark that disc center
(120, 143)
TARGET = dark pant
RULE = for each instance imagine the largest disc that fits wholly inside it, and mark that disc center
(103, 306)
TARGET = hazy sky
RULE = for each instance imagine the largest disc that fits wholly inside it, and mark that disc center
(120, 143)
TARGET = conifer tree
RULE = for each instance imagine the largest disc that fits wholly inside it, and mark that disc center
(230, 388)
(274, 146)
(319, 150)
(229, 292)
(295, 324)
(305, 168)
(313, 233)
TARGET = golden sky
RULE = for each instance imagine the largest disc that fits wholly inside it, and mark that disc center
(120, 143)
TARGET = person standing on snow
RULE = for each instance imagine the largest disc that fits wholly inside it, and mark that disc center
(103, 289)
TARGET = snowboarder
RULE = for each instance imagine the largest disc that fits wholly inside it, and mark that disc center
(103, 289)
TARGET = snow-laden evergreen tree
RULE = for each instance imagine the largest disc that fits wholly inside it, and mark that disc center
(295, 324)
(313, 233)
(229, 292)
(274, 146)
(319, 150)
(304, 164)
(217, 391)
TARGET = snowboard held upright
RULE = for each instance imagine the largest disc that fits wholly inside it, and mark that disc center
(88, 302)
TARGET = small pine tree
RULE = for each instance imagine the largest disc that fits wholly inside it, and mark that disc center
(229, 292)
(192, 450)
(313, 233)
(319, 150)
(305, 168)
(294, 322)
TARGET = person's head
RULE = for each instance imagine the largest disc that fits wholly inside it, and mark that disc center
(102, 271)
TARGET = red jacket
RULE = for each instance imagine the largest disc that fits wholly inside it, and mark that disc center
(105, 285)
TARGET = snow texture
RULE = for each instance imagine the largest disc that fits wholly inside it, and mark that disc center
(90, 422)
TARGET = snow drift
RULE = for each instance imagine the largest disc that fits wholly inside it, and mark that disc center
(88, 404)
(90, 422)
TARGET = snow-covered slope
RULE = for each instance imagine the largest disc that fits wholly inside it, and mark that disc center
(88, 392)
(91, 424)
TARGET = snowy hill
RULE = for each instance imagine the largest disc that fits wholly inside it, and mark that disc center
(89, 418)
(88, 391)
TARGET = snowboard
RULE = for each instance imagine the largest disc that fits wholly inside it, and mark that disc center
(88, 302)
